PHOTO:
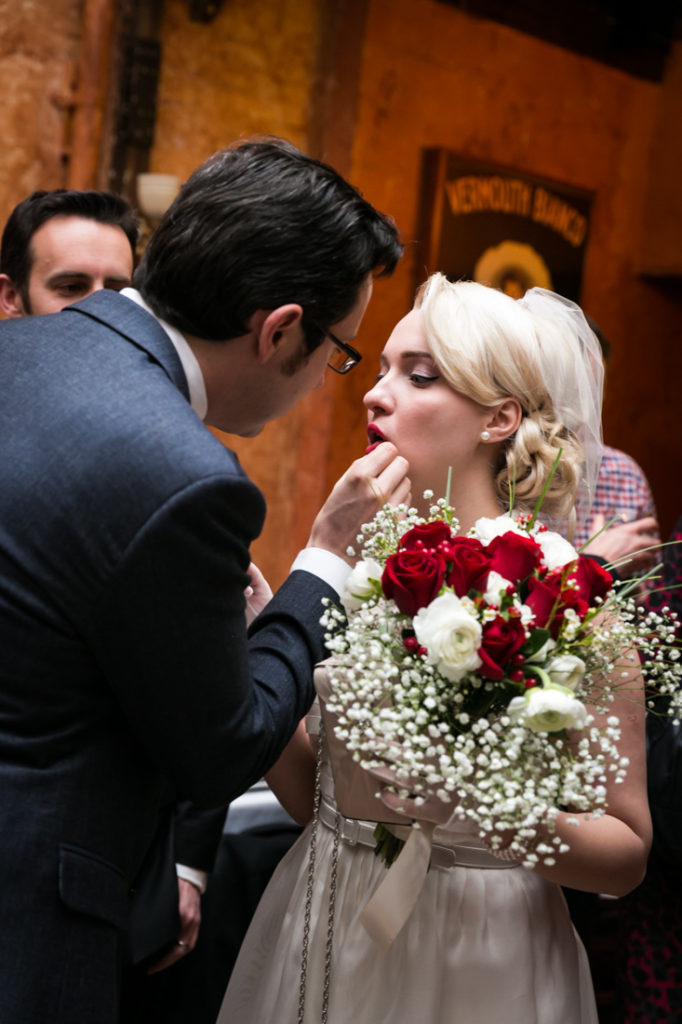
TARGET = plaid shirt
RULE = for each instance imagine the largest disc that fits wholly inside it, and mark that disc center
(622, 488)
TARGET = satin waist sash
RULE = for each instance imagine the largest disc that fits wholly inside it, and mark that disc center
(461, 855)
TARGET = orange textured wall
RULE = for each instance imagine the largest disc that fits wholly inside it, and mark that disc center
(246, 72)
(386, 80)
(429, 75)
(433, 76)
(39, 47)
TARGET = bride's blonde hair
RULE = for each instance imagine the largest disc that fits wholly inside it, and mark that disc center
(489, 347)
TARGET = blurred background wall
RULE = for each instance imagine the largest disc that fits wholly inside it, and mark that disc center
(95, 91)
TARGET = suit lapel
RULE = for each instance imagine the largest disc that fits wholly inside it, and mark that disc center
(136, 325)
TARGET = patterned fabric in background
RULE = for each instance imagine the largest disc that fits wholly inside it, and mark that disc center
(622, 489)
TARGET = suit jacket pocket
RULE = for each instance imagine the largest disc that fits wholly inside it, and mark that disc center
(93, 886)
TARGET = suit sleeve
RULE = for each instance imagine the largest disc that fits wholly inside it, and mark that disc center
(212, 710)
(197, 834)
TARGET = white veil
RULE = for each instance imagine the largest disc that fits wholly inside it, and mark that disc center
(574, 384)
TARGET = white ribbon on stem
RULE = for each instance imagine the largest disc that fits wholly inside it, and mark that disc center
(393, 901)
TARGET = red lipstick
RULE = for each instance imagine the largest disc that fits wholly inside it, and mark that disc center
(375, 438)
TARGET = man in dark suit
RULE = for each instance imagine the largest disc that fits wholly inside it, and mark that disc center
(58, 247)
(125, 672)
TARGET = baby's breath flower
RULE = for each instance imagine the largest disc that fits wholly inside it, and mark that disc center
(494, 750)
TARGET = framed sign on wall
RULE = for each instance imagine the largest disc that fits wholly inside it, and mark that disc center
(500, 227)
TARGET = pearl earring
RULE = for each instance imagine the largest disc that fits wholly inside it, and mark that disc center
(485, 435)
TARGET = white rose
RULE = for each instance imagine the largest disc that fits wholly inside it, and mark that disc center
(361, 584)
(451, 635)
(494, 584)
(557, 552)
(486, 529)
(566, 670)
(548, 709)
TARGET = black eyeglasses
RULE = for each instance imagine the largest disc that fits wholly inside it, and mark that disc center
(344, 357)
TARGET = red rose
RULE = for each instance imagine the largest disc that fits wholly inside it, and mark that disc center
(547, 596)
(501, 640)
(543, 596)
(469, 565)
(570, 598)
(428, 535)
(515, 557)
(413, 578)
(592, 579)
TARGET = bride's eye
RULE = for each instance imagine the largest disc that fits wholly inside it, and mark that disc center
(379, 376)
(422, 380)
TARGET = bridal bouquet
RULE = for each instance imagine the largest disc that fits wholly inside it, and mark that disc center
(467, 664)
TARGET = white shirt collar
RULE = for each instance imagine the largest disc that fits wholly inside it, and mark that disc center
(190, 364)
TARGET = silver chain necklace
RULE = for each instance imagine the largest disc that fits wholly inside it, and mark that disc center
(312, 856)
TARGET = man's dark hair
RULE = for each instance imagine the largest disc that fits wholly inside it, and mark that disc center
(256, 226)
(16, 257)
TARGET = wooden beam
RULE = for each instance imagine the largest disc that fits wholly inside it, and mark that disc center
(331, 131)
(93, 82)
(334, 95)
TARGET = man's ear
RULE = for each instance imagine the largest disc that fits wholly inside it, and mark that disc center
(504, 420)
(277, 330)
(10, 299)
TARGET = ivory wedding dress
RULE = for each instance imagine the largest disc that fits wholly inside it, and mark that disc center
(482, 944)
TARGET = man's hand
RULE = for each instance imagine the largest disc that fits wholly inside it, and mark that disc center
(370, 482)
(189, 908)
(626, 544)
(258, 593)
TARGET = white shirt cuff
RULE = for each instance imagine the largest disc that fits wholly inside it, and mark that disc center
(193, 875)
(325, 565)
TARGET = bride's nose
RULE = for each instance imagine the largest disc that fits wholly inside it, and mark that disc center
(378, 397)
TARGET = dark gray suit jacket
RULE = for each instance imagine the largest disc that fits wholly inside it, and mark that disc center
(125, 675)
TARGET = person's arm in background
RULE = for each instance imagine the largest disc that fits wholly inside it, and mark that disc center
(630, 546)
(631, 541)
